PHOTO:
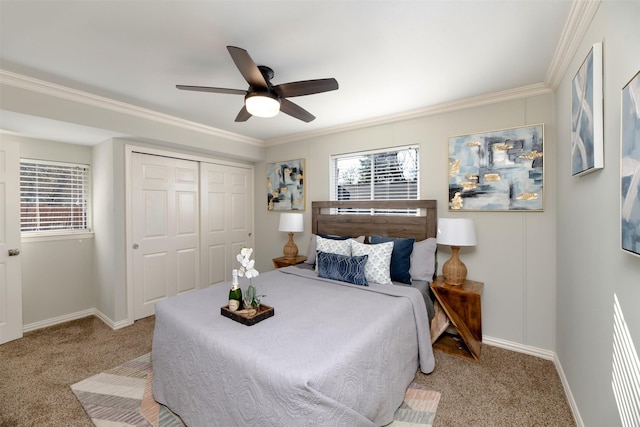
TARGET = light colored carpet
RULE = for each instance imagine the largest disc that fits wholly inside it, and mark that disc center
(122, 396)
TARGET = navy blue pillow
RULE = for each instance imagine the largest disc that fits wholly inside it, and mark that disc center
(400, 257)
(341, 267)
(329, 236)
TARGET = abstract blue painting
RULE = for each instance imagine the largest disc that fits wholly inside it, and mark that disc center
(587, 151)
(630, 166)
(501, 170)
(285, 185)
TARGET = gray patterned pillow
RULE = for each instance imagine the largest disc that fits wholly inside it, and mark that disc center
(378, 268)
(340, 247)
(341, 267)
(311, 251)
(400, 257)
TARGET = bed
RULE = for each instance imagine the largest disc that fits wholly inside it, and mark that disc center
(334, 353)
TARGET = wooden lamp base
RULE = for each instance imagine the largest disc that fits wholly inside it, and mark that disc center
(454, 270)
(290, 250)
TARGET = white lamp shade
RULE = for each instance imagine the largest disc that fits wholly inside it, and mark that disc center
(456, 232)
(262, 104)
(291, 222)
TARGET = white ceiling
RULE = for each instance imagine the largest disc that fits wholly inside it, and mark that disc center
(389, 57)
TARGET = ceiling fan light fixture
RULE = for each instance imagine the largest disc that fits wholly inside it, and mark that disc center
(262, 104)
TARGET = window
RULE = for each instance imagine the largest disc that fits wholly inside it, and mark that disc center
(376, 175)
(54, 197)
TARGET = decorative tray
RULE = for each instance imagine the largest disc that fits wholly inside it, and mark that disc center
(248, 318)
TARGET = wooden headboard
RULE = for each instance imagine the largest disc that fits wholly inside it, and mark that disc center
(326, 220)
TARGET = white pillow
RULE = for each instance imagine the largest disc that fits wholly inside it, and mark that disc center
(340, 247)
(378, 264)
(423, 260)
(311, 251)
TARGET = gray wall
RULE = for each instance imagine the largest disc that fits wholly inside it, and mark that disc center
(570, 252)
(57, 273)
(591, 266)
(565, 265)
(515, 256)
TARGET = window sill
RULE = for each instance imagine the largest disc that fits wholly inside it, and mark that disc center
(50, 237)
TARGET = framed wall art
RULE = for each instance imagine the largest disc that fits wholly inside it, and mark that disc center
(501, 170)
(285, 185)
(630, 166)
(587, 151)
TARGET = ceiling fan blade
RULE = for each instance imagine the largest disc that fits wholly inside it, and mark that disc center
(243, 115)
(305, 87)
(213, 89)
(295, 110)
(247, 67)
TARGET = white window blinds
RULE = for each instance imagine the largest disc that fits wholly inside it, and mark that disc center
(54, 196)
(391, 174)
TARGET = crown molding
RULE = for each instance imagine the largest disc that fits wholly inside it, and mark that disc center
(51, 89)
(477, 101)
(580, 17)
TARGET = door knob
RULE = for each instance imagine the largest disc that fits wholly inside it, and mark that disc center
(14, 252)
(135, 246)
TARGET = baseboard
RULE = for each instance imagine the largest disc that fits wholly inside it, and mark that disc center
(520, 348)
(57, 320)
(74, 316)
(544, 354)
(113, 325)
(567, 391)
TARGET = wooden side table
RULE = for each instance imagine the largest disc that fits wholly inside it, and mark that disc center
(285, 262)
(462, 306)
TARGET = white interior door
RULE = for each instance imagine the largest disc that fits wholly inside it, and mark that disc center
(165, 229)
(227, 218)
(10, 268)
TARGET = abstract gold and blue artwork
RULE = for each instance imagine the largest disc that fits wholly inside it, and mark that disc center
(501, 170)
(285, 185)
(630, 166)
(587, 151)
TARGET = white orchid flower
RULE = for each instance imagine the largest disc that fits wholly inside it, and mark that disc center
(247, 264)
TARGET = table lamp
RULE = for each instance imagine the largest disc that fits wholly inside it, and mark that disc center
(291, 223)
(455, 232)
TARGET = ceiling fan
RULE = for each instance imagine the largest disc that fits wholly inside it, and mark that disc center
(263, 99)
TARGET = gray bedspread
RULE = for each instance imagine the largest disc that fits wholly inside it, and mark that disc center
(333, 354)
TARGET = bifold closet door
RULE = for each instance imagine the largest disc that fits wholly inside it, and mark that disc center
(165, 223)
(227, 218)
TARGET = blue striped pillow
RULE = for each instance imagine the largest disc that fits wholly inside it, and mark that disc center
(342, 267)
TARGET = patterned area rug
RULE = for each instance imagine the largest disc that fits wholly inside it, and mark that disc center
(122, 397)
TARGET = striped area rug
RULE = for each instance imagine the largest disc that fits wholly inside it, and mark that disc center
(122, 397)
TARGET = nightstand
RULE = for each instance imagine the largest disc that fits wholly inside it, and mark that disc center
(461, 304)
(285, 262)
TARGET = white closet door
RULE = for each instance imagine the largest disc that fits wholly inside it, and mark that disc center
(166, 256)
(227, 218)
(10, 266)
